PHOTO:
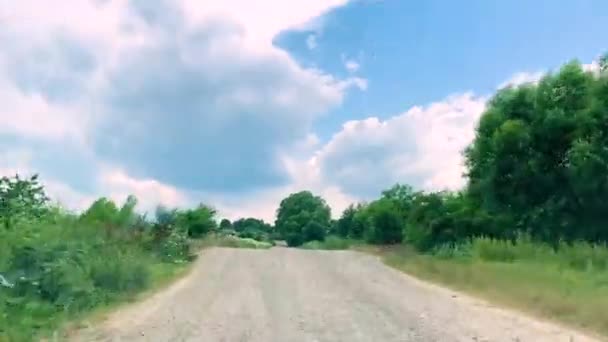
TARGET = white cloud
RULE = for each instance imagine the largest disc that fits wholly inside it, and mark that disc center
(351, 66)
(117, 184)
(172, 74)
(421, 147)
(522, 78)
(311, 42)
(262, 19)
(593, 67)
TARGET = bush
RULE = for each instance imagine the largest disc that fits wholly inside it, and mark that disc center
(314, 231)
(294, 240)
(59, 265)
(176, 247)
(330, 243)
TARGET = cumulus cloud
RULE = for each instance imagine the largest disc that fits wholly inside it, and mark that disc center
(421, 147)
(188, 93)
(522, 78)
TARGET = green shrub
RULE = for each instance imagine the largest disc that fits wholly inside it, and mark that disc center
(314, 231)
(330, 243)
(61, 265)
(294, 240)
(176, 247)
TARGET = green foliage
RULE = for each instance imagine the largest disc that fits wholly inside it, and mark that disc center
(566, 284)
(197, 222)
(21, 199)
(384, 222)
(540, 158)
(56, 266)
(102, 210)
(294, 239)
(351, 223)
(331, 242)
(225, 224)
(224, 240)
(300, 217)
(604, 63)
(314, 231)
(253, 229)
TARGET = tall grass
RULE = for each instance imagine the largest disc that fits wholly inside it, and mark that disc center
(567, 283)
(222, 240)
(330, 243)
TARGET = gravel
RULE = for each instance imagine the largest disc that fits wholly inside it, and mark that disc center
(284, 294)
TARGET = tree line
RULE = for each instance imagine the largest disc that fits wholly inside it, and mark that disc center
(538, 166)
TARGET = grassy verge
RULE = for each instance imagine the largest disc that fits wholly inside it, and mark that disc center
(162, 276)
(569, 286)
(331, 243)
(221, 240)
(63, 271)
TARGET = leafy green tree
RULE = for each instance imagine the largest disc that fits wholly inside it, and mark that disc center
(253, 228)
(346, 221)
(297, 211)
(384, 222)
(21, 199)
(127, 215)
(103, 210)
(359, 221)
(314, 231)
(225, 224)
(539, 159)
(198, 221)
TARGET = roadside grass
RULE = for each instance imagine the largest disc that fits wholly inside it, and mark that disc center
(222, 240)
(162, 276)
(568, 286)
(331, 243)
(62, 272)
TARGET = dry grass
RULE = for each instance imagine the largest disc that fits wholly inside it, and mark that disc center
(578, 298)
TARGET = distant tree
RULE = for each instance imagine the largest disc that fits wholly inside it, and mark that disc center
(297, 211)
(344, 225)
(198, 221)
(384, 223)
(314, 231)
(103, 210)
(127, 215)
(252, 228)
(225, 224)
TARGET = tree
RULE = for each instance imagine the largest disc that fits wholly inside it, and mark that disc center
(539, 160)
(345, 223)
(604, 62)
(252, 228)
(198, 221)
(225, 224)
(384, 222)
(21, 199)
(103, 210)
(314, 231)
(297, 211)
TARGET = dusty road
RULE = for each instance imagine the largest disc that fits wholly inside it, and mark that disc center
(288, 295)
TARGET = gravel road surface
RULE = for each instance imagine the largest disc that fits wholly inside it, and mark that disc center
(286, 295)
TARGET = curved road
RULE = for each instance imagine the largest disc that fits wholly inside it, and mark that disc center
(288, 295)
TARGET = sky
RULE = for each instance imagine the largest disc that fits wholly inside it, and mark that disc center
(239, 103)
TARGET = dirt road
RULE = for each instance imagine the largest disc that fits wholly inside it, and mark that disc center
(289, 295)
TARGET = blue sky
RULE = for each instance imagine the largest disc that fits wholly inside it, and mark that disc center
(416, 52)
(238, 103)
